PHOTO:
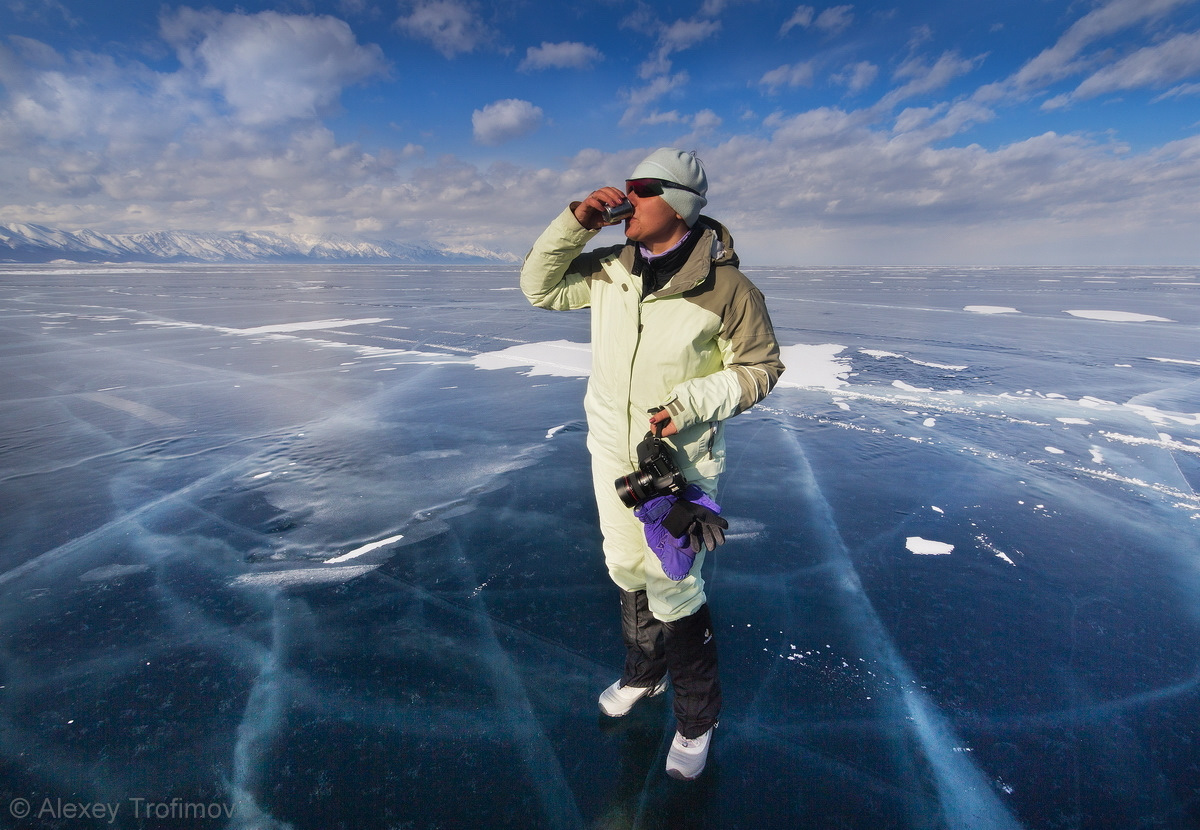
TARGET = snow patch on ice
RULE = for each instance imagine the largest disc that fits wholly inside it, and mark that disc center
(1117, 316)
(1163, 443)
(927, 547)
(990, 309)
(560, 358)
(987, 545)
(878, 354)
(1173, 360)
(366, 549)
(1161, 418)
(814, 366)
(312, 325)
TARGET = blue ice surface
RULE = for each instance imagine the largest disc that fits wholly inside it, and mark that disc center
(288, 545)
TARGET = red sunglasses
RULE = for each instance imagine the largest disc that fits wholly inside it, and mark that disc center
(643, 188)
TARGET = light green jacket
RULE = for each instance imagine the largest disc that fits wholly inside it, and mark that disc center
(703, 345)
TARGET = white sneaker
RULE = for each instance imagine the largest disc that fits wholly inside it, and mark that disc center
(687, 757)
(617, 700)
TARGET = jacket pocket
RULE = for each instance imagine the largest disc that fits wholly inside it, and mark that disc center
(705, 450)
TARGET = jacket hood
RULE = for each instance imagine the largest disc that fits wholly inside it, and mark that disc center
(723, 253)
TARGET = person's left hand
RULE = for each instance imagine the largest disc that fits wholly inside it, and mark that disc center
(663, 417)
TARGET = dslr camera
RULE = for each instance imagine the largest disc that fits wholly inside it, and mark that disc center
(656, 473)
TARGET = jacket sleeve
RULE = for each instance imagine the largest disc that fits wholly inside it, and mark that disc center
(751, 367)
(555, 274)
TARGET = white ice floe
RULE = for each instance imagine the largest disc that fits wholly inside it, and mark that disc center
(560, 358)
(987, 545)
(1160, 418)
(1138, 440)
(287, 331)
(879, 355)
(311, 325)
(990, 309)
(391, 540)
(814, 366)
(1117, 316)
(1173, 360)
(927, 547)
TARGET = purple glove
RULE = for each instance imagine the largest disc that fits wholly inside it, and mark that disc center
(674, 552)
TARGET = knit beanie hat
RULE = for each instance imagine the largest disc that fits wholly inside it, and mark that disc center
(682, 168)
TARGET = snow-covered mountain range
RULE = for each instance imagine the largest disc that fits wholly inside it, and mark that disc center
(21, 242)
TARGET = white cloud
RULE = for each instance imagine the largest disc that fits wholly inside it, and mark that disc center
(684, 34)
(272, 67)
(831, 21)
(505, 120)
(640, 100)
(1179, 92)
(567, 55)
(234, 140)
(802, 17)
(46, 12)
(1064, 57)
(926, 78)
(1154, 66)
(86, 101)
(678, 36)
(706, 121)
(919, 36)
(452, 26)
(834, 19)
(927, 125)
(858, 76)
(788, 75)
(827, 175)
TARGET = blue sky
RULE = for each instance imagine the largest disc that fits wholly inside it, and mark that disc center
(1023, 132)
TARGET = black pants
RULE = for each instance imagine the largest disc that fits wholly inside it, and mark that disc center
(686, 648)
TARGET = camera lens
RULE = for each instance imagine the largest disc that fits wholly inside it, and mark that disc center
(634, 488)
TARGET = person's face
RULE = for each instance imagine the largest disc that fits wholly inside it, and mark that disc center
(654, 223)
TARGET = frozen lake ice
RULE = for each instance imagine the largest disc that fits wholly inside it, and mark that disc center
(314, 547)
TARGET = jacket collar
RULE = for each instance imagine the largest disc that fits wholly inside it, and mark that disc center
(715, 247)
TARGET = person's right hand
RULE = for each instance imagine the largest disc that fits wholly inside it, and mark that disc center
(589, 212)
